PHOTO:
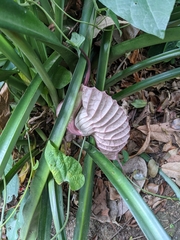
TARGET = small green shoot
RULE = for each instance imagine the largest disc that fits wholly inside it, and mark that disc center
(139, 103)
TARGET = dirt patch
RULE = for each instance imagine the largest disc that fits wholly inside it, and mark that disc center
(169, 217)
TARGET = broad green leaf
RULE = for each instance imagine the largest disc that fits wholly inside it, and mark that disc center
(148, 15)
(64, 168)
(61, 77)
(139, 103)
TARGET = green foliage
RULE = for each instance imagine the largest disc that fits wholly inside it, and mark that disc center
(40, 69)
(64, 168)
(61, 77)
(12, 187)
(148, 15)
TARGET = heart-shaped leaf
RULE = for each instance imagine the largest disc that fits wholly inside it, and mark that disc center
(148, 15)
(64, 168)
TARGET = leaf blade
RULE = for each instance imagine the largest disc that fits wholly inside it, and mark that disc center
(64, 168)
(148, 15)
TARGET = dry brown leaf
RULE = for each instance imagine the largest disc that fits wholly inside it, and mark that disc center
(99, 207)
(152, 168)
(176, 124)
(136, 164)
(129, 32)
(161, 132)
(134, 56)
(103, 22)
(23, 173)
(152, 187)
(172, 155)
(122, 207)
(4, 106)
(147, 141)
(177, 138)
(168, 146)
(172, 170)
(113, 194)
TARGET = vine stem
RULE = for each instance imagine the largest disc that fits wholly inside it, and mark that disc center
(88, 73)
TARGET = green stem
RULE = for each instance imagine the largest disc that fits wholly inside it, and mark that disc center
(172, 184)
(59, 128)
(59, 17)
(67, 216)
(103, 59)
(152, 81)
(144, 40)
(85, 199)
(56, 206)
(17, 167)
(30, 54)
(20, 115)
(10, 53)
(4, 203)
(142, 213)
(138, 66)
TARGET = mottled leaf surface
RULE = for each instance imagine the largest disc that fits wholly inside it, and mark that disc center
(148, 15)
(64, 168)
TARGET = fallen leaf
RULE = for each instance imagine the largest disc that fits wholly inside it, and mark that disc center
(147, 141)
(4, 106)
(113, 194)
(136, 164)
(130, 32)
(122, 207)
(161, 132)
(152, 168)
(103, 22)
(172, 170)
(176, 124)
(172, 155)
(168, 146)
(152, 187)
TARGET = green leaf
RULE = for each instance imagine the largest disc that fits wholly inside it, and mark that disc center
(61, 77)
(64, 168)
(13, 186)
(114, 18)
(148, 15)
(20, 19)
(16, 222)
(76, 40)
(4, 74)
(139, 103)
